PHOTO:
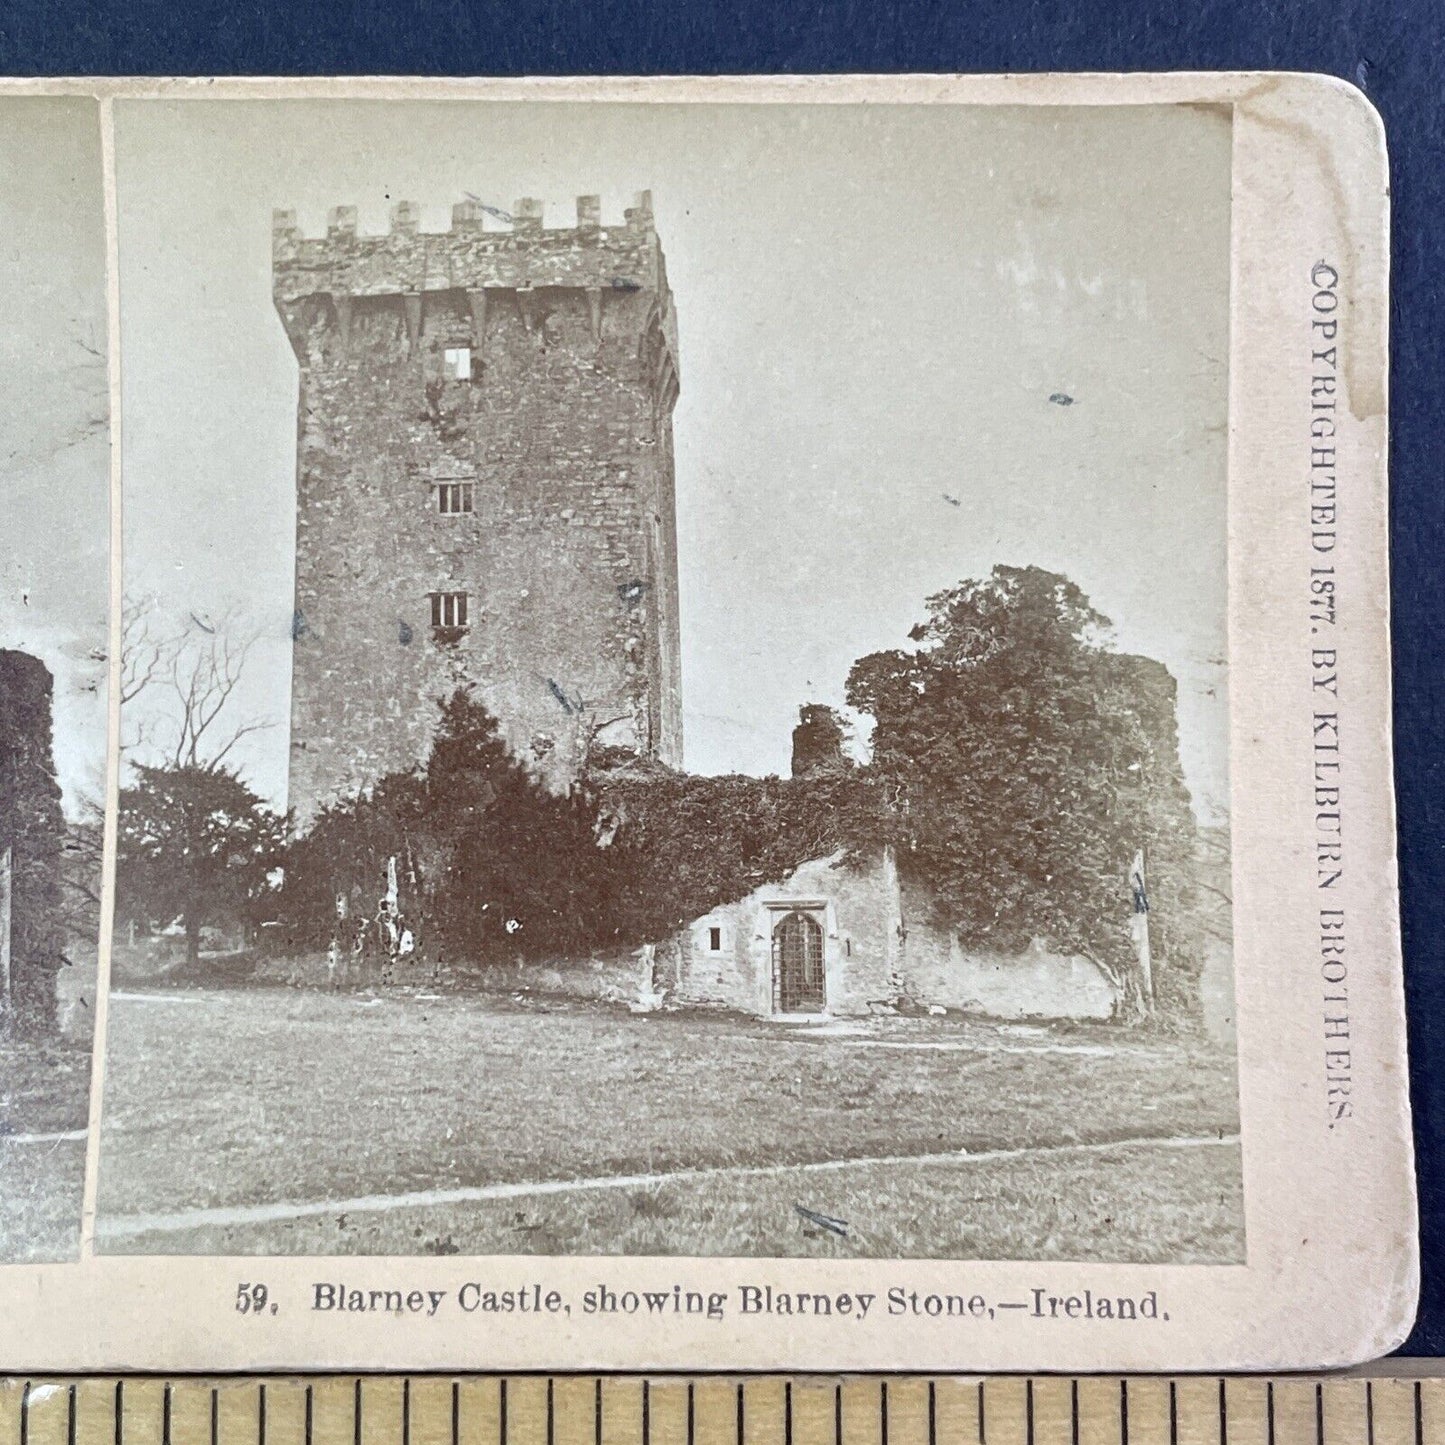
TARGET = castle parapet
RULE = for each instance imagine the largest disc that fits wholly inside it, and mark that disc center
(468, 256)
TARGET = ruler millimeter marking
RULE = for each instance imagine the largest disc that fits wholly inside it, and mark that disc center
(763, 1410)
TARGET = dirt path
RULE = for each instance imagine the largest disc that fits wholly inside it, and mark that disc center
(129, 1225)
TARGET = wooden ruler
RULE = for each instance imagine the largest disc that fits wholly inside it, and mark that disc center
(758, 1410)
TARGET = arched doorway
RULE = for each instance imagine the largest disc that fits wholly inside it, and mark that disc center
(799, 979)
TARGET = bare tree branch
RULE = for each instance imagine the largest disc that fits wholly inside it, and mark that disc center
(143, 653)
(200, 665)
(237, 733)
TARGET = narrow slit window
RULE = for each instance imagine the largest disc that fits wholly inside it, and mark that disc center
(454, 499)
(458, 363)
(448, 609)
(714, 940)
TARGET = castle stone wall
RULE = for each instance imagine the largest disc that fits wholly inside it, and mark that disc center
(563, 434)
(857, 909)
(31, 833)
(875, 954)
(1032, 984)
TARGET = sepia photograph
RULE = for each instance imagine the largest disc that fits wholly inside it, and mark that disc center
(674, 684)
(54, 634)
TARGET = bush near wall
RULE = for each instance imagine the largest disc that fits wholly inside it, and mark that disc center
(494, 867)
(1019, 764)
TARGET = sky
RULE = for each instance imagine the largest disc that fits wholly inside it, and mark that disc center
(54, 434)
(916, 341)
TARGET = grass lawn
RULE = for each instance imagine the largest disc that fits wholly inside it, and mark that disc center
(44, 1090)
(1141, 1203)
(40, 1196)
(249, 1098)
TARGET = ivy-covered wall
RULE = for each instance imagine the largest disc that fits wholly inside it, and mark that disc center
(31, 831)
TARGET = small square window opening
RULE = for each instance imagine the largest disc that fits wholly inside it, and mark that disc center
(458, 363)
(455, 498)
(449, 609)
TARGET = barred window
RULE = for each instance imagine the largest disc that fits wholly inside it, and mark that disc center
(449, 609)
(457, 361)
(455, 498)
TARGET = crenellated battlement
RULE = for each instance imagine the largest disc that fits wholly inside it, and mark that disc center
(471, 257)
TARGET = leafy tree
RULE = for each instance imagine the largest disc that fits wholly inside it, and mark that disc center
(194, 842)
(1024, 762)
(494, 865)
(344, 855)
(520, 855)
(491, 862)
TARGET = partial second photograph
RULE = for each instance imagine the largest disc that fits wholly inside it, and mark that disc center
(675, 683)
(54, 659)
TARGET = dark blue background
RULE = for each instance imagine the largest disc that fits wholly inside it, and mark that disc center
(1392, 51)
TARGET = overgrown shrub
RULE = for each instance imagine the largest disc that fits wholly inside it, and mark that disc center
(492, 865)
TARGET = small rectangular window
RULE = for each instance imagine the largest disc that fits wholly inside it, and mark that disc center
(714, 940)
(455, 498)
(449, 609)
(458, 362)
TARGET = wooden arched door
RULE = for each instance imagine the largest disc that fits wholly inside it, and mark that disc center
(799, 979)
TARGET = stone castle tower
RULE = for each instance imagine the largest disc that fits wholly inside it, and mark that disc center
(484, 489)
(32, 934)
